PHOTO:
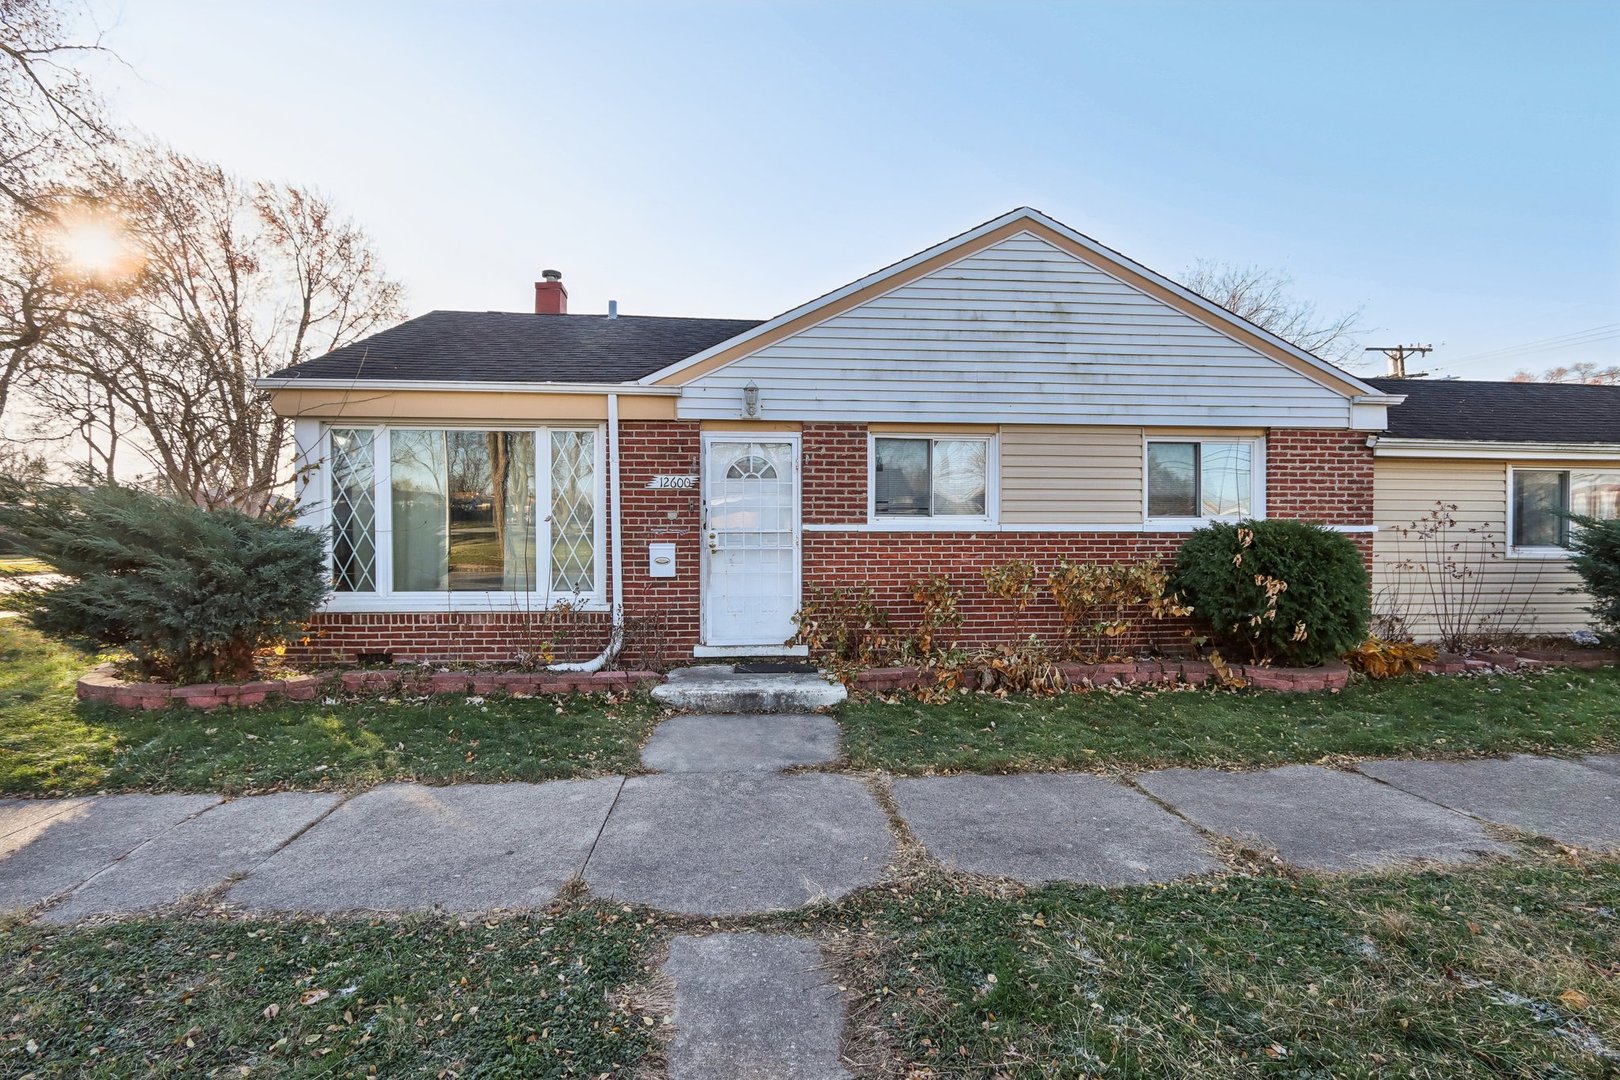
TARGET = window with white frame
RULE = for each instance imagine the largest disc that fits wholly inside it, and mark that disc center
(417, 510)
(1542, 500)
(916, 477)
(1201, 479)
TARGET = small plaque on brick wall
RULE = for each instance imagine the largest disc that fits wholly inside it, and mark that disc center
(672, 483)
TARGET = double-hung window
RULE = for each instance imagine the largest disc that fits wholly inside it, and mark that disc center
(1541, 501)
(471, 513)
(916, 478)
(1202, 480)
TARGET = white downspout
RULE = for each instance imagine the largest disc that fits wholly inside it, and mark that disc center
(615, 553)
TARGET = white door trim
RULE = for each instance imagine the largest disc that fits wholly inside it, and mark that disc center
(709, 438)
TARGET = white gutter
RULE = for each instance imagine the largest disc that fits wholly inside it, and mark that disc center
(1480, 449)
(615, 552)
(462, 384)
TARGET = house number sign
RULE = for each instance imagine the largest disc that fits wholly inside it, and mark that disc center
(672, 483)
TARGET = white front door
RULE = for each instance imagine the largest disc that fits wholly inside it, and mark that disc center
(751, 539)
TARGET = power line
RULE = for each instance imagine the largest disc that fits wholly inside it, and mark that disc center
(1562, 341)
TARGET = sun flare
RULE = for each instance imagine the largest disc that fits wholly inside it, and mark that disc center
(95, 244)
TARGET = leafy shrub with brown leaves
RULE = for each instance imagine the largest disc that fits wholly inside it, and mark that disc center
(1098, 601)
(941, 612)
(1380, 659)
(846, 627)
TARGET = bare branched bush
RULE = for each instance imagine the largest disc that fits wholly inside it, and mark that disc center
(1453, 577)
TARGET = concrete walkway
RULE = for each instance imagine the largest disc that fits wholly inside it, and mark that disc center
(724, 833)
(722, 830)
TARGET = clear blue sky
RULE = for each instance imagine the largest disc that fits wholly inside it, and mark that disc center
(1455, 167)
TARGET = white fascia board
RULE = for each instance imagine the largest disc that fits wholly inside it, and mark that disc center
(1025, 213)
(1497, 451)
(453, 384)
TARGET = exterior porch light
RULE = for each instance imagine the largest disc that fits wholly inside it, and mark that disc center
(751, 399)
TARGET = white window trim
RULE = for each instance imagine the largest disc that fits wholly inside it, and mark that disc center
(942, 522)
(1542, 553)
(1257, 483)
(386, 600)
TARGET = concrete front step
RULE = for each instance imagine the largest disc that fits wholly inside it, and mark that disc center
(720, 688)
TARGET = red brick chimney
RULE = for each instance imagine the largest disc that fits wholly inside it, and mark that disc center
(550, 298)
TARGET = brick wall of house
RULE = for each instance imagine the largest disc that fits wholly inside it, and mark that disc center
(456, 637)
(662, 614)
(833, 473)
(1318, 475)
(1324, 476)
(890, 563)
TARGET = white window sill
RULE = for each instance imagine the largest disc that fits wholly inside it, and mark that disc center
(1541, 554)
(1190, 524)
(429, 603)
(930, 524)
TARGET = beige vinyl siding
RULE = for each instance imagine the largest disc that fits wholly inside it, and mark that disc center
(1020, 332)
(1515, 594)
(1054, 475)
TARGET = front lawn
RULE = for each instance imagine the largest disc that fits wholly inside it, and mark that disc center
(1510, 970)
(52, 744)
(426, 997)
(1507, 969)
(1559, 711)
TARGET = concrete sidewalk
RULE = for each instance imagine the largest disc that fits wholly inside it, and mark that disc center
(737, 836)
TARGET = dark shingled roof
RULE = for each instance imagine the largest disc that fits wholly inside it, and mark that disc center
(1503, 411)
(500, 346)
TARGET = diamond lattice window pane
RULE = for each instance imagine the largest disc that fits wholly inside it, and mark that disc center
(573, 511)
(354, 538)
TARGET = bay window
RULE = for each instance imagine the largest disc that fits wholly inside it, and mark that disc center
(915, 477)
(1198, 480)
(1541, 501)
(469, 513)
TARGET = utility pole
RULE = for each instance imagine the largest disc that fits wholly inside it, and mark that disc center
(1397, 355)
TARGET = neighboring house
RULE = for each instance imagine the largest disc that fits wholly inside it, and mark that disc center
(1504, 461)
(1018, 391)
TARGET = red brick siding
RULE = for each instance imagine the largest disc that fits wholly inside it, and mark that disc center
(891, 562)
(1324, 476)
(449, 637)
(649, 448)
(833, 474)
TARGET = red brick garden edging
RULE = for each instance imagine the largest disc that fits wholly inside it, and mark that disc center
(103, 684)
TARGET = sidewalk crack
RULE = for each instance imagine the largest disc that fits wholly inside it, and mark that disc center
(600, 829)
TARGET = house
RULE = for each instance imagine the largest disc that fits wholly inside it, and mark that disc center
(1017, 391)
(1472, 485)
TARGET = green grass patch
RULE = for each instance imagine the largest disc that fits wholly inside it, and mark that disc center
(51, 743)
(1550, 711)
(23, 564)
(1504, 971)
(210, 997)
(1498, 970)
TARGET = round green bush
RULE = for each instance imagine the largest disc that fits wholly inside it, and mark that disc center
(1287, 591)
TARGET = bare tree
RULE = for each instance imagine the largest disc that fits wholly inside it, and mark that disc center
(239, 280)
(50, 125)
(48, 113)
(1584, 372)
(1264, 298)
